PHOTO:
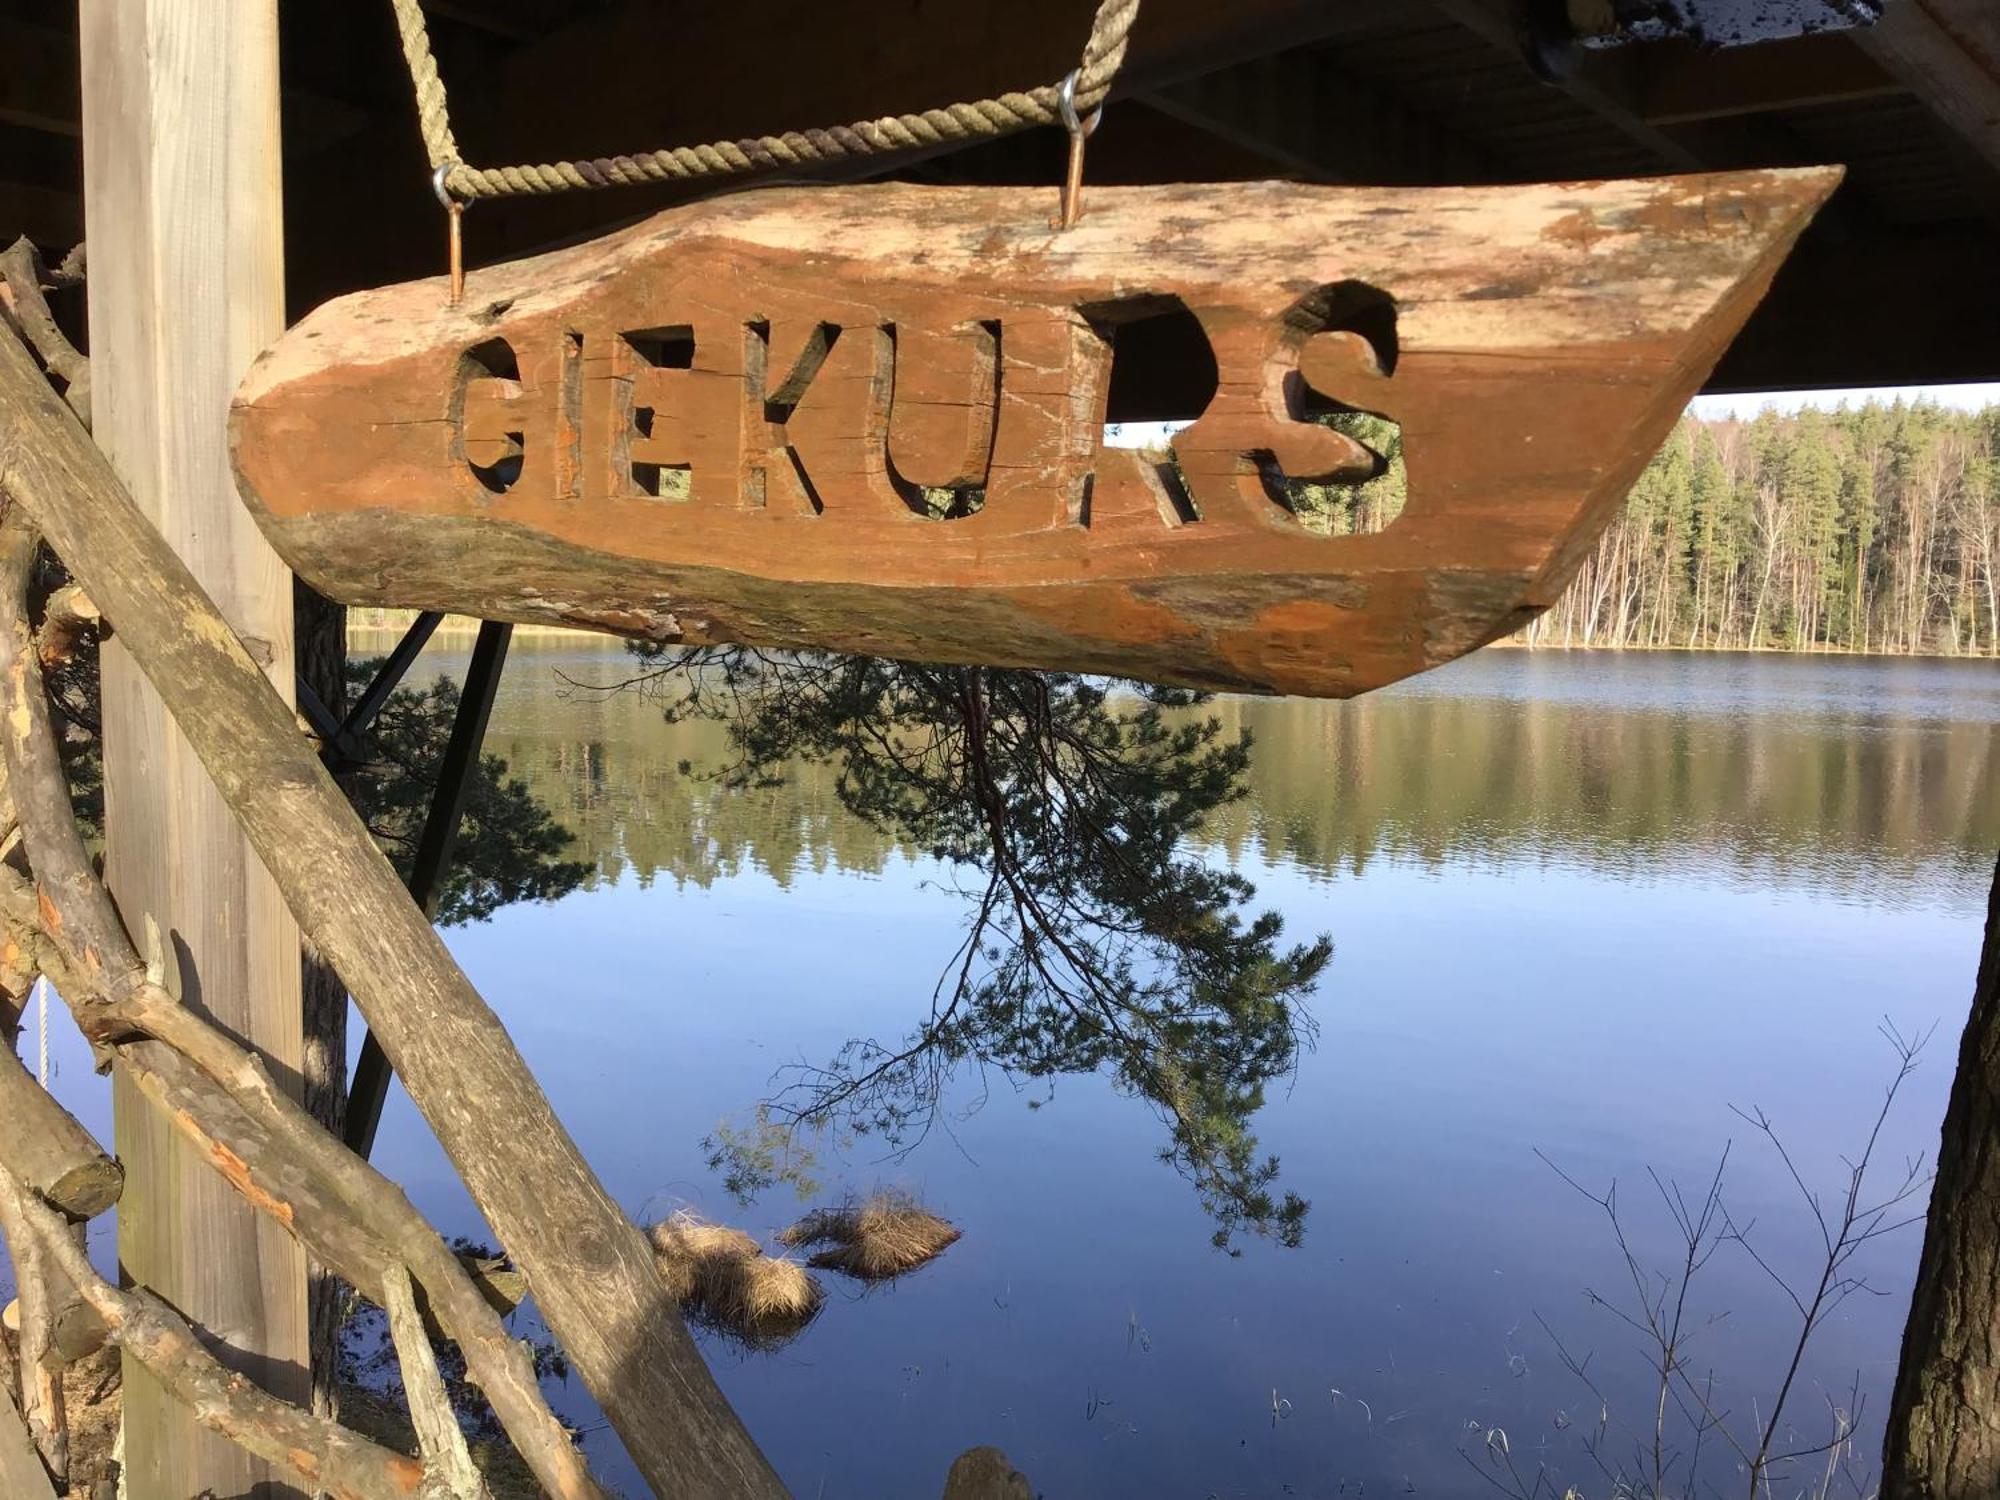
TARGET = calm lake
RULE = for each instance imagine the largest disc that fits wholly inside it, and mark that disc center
(1582, 903)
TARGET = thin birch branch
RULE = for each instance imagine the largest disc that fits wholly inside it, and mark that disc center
(39, 1288)
(439, 1437)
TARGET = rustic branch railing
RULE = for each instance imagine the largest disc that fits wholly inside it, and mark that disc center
(323, 1453)
(620, 1328)
(216, 1093)
(591, 1273)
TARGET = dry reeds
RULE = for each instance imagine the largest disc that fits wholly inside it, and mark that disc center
(759, 1297)
(721, 1276)
(883, 1236)
(682, 1243)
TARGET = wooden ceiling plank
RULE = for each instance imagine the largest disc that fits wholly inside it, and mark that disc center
(635, 75)
(1888, 331)
(38, 78)
(40, 89)
(1679, 83)
(1947, 53)
(1598, 88)
(514, 20)
(1322, 123)
(51, 217)
(808, 65)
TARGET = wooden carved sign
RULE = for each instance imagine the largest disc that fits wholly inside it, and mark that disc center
(872, 419)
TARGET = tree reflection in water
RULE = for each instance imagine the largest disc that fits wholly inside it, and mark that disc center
(1096, 943)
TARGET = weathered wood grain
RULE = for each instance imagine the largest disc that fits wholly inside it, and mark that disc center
(182, 196)
(22, 1476)
(454, 1476)
(870, 419)
(41, 1287)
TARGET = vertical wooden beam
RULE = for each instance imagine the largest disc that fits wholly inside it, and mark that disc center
(21, 1468)
(181, 198)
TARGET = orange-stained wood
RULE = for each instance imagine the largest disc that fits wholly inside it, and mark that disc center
(871, 419)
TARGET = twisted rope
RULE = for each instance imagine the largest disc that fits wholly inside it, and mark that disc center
(1103, 54)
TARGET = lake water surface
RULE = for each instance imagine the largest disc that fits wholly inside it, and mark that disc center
(1583, 904)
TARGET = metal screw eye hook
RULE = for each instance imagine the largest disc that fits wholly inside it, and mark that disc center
(455, 215)
(1079, 132)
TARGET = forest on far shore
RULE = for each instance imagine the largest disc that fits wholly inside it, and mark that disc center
(1870, 528)
(1866, 528)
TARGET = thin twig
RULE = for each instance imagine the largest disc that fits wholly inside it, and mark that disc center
(439, 1438)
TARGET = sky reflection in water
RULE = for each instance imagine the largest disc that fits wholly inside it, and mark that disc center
(1581, 903)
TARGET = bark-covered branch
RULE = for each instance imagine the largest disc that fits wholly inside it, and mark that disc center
(592, 1275)
(324, 1454)
(58, 1158)
(22, 1476)
(9, 1381)
(67, 616)
(438, 1436)
(40, 1290)
(22, 278)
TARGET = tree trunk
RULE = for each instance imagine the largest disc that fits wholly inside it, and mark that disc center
(1944, 1420)
(40, 1290)
(237, 1411)
(253, 1132)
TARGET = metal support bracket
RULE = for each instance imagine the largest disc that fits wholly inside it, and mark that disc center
(369, 1089)
(341, 746)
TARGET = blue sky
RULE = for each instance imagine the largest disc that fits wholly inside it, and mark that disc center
(1746, 404)
(1969, 397)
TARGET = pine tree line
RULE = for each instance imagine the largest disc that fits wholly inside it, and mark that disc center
(1873, 528)
(1870, 528)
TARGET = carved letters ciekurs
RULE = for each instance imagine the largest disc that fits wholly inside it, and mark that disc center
(872, 419)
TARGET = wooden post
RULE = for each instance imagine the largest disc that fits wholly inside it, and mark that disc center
(181, 194)
(20, 1470)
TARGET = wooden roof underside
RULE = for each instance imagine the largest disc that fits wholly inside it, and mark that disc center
(1896, 283)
